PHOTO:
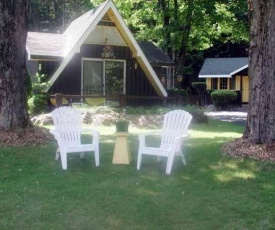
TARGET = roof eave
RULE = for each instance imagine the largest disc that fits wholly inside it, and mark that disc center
(215, 76)
(239, 70)
(37, 57)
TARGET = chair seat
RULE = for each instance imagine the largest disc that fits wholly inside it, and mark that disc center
(155, 151)
(82, 148)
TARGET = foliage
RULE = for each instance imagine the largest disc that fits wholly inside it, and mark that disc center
(53, 15)
(200, 87)
(38, 101)
(177, 92)
(29, 86)
(223, 98)
(176, 25)
(197, 113)
(140, 110)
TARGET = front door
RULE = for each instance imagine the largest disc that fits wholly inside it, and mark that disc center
(245, 89)
(103, 77)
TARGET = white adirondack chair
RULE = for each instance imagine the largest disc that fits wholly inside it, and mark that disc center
(174, 130)
(67, 131)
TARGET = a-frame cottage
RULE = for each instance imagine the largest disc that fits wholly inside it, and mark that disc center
(98, 55)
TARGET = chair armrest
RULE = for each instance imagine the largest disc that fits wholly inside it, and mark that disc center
(178, 141)
(182, 136)
(142, 136)
(93, 131)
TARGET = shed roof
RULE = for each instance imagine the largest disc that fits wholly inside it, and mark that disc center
(222, 67)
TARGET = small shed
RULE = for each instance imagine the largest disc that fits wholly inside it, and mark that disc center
(227, 74)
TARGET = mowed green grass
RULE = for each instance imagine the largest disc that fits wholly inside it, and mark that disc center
(212, 192)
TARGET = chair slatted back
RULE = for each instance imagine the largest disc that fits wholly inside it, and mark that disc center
(67, 122)
(175, 124)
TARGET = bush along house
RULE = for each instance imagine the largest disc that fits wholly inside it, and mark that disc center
(98, 55)
(227, 74)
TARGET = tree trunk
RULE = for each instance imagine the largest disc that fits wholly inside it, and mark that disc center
(185, 31)
(13, 75)
(261, 115)
(166, 24)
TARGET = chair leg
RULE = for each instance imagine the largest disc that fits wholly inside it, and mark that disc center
(57, 154)
(97, 157)
(180, 154)
(139, 161)
(169, 164)
(63, 160)
(183, 159)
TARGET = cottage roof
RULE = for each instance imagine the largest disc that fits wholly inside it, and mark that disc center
(222, 67)
(46, 45)
(79, 31)
(155, 55)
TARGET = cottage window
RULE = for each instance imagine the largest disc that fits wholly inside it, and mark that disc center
(223, 83)
(214, 83)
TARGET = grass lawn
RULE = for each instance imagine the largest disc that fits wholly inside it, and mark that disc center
(212, 192)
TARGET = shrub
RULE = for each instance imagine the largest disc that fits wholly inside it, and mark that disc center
(29, 86)
(197, 113)
(200, 87)
(140, 110)
(37, 103)
(223, 98)
(177, 92)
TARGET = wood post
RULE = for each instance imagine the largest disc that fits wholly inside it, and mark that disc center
(164, 101)
(122, 100)
(58, 99)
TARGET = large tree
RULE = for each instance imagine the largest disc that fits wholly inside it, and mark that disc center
(13, 76)
(261, 115)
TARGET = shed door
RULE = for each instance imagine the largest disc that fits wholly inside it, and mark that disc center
(245, 89)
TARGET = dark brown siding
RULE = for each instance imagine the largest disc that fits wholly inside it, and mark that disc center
(69, 81)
